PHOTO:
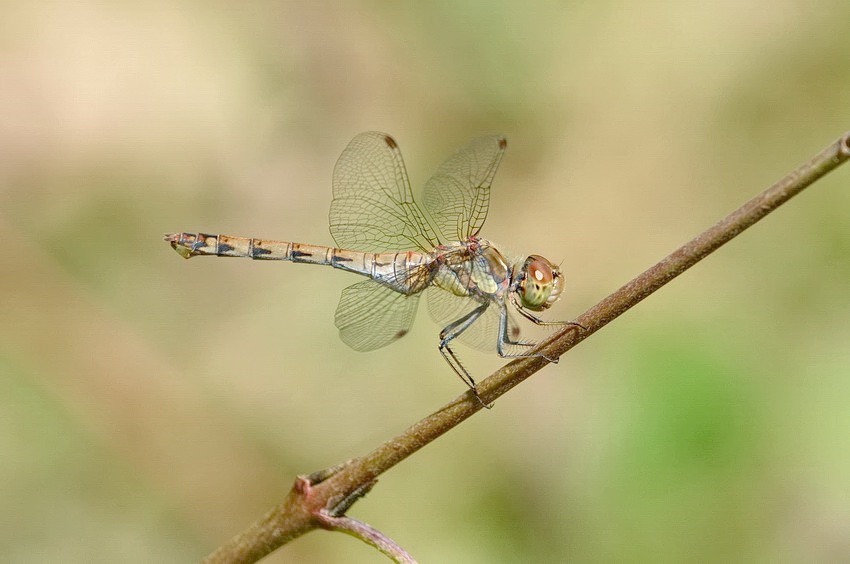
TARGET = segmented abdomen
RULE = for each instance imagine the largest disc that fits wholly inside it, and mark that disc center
(407, 272)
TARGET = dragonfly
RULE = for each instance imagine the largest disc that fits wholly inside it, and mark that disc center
(405, 252)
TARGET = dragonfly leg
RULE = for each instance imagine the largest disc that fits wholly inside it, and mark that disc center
(504, 338)
(536, 320)
(449, 333)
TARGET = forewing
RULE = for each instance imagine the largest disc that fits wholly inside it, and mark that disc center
(373, 208)
(457, 196)
(370, 315)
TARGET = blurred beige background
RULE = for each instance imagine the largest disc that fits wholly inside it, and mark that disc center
(152, 407)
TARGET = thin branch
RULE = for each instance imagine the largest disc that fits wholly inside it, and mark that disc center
(369, 535)
(310, 501)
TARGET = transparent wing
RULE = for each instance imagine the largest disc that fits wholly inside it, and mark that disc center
(483, 335)
(458, 195)
(370, 315)
(373, 208)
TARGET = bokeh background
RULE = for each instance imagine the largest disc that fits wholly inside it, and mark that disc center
(152, 407)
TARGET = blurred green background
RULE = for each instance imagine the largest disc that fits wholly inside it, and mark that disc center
(151, 407)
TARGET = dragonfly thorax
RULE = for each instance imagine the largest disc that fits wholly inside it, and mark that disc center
(538, 283)
(473, 267)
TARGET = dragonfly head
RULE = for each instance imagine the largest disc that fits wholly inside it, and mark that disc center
(539, 283)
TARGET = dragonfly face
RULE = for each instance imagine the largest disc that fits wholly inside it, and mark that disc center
(406, 251)
(538, 283)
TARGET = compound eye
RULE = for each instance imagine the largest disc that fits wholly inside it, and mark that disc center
(537, 284)
(540, 271)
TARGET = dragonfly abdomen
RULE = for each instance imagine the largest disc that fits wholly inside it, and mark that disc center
(392, 269)
(189, 245)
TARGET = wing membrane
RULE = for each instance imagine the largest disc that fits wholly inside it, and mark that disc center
(373, 208)
(457, 196)
(370, 315)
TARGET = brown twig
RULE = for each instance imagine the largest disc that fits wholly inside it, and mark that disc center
(312, 499)
(369, 535)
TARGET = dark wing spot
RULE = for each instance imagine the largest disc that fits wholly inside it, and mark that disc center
(390, 141)
(401, 334)
(503, 142)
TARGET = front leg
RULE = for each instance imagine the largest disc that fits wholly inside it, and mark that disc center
(504, 338)
(536, 320)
